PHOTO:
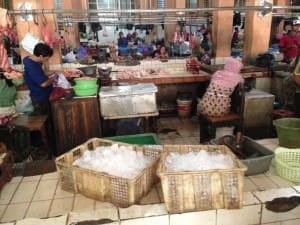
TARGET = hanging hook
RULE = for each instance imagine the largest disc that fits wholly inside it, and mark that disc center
(27, 20)
(35, 19)
(44, 17)
(28, 26)
(54, 21)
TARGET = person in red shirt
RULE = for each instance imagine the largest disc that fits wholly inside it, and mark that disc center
(235, 37)
(289, 44)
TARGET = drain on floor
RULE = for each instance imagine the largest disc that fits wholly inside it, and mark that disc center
(283, 204)
(168, 130)
(93, 222)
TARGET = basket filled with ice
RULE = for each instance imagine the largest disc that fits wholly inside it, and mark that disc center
(110, 171)
(200, 177)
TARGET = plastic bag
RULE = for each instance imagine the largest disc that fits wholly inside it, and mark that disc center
(29, 42)
(23, 102)
(70, 57)
(62, 81)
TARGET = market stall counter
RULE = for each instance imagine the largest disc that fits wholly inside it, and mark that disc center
(247, 71)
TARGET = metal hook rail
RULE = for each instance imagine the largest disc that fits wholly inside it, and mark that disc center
(153, 15)
(178, 11)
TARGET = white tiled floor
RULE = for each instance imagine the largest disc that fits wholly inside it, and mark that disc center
(41, 197)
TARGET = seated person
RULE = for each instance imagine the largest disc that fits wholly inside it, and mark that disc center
(202, 55)
(122, 40)
(216, 100)
(162, 53)
(156, 48)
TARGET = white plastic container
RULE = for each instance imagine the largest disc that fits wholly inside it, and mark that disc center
(128, 101)
(222, 131)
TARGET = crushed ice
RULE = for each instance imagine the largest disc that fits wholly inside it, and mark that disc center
(121, 161)
(197, 160)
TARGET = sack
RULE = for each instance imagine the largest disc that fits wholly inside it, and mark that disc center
(265, 60)
(29, 42)
(58, 93)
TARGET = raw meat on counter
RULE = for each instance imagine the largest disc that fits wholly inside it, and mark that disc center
(72, 73)
(132, 74)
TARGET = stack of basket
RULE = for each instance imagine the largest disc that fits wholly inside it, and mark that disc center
(287, 156)
(183, 191)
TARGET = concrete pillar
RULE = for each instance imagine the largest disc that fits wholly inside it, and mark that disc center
(222, 28)
(257, 33)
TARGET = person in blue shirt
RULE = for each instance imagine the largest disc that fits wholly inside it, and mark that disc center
(122, 41)
(39, 82)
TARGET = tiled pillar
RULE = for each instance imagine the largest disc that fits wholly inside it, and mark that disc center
(222, 28)
(257, 32)
(72, 33)
(169, 28)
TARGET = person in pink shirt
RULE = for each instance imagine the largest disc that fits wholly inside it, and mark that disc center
(289, 44)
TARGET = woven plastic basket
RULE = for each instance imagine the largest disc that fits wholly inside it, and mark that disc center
(288, 163)
(201, 190)
(101, 186)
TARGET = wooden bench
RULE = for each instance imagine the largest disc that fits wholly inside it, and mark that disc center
(34, 123)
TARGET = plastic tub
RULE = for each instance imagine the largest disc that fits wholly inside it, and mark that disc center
(139, 139)
(85, 91)
(282, 113)
(258, 156)
(85, 82)
(288, 132)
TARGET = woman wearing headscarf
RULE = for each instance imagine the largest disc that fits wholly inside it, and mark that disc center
(216, 100)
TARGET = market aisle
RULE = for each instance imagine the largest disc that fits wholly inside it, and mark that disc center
(41, 196)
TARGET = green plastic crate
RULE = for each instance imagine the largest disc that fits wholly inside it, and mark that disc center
(139, 139)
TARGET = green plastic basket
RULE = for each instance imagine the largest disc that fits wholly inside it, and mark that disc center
(287, 162)
(138, 139)
(288, 132)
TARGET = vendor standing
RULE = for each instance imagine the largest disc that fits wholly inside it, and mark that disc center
(289, 44)
(39, 82)
(296, 78)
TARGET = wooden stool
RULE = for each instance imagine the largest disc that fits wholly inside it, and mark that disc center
(34, 123)
(209, 124)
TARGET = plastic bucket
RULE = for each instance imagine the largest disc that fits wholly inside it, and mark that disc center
(288, 132)
(184, 107)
